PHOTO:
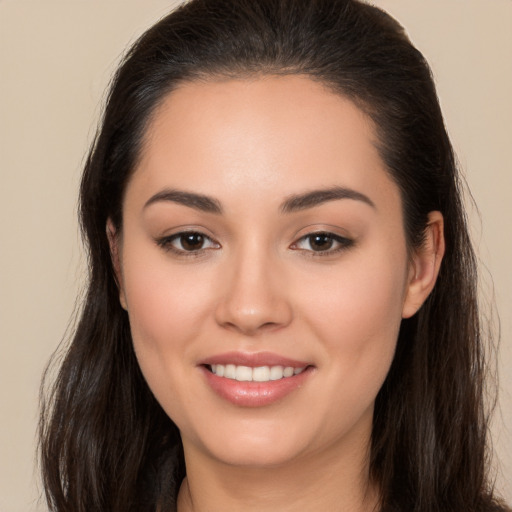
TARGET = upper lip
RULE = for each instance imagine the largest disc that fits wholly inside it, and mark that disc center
(253, 360)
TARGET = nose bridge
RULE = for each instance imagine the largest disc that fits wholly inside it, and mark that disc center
(253, 296)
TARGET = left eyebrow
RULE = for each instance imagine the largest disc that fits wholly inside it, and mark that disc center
(313, 198)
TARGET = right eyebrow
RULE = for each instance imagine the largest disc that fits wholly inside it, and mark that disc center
(192, 200)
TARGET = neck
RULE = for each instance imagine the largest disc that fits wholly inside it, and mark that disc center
(319, 482)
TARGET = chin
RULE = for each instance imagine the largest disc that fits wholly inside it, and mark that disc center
(259, 444)
(256, 455)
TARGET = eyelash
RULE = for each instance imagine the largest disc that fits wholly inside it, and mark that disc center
(166, 243)
(342, 242)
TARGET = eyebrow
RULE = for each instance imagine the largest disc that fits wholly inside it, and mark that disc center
(316, 197)
(292, 204)
(190, 199)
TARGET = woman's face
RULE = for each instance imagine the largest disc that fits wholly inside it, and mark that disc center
(262, 239)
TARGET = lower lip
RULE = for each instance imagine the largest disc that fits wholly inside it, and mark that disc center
(255, 394)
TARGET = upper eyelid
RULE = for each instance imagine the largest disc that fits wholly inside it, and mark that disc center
(167, 239)
(334, 236)
(323, 232)
(181, 230)
(315, 229)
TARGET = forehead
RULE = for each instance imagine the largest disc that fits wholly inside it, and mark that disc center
(266, 135)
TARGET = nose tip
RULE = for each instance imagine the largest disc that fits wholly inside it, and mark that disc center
(254, 301)
(250, 320)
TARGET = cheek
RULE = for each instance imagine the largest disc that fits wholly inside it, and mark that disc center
(165, 301)
(167, 308)
(357, 315)
(357, 302)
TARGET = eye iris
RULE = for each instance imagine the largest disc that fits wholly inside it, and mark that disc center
(192, 241)
(321, 242)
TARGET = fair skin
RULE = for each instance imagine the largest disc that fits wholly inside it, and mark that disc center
(250, 284)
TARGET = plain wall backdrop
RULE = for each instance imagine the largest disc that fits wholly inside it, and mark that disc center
(56, 58)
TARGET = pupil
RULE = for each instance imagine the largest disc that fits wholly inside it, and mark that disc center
(321, 242)
(192, 241)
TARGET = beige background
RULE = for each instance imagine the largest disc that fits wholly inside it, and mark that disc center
(55, 60)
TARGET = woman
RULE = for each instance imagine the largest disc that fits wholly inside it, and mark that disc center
(282, 307)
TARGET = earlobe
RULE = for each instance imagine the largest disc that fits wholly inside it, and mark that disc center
(113, 241)
(425, 265)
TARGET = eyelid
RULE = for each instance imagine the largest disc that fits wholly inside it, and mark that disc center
(343, 243)
(166, 242)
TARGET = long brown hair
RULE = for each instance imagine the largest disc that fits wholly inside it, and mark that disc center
(106, 444)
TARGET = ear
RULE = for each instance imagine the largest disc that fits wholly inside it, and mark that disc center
(425, 265)
(114, 242)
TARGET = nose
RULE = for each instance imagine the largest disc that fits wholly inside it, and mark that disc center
(254, 294)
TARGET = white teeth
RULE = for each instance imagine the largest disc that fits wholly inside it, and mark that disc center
(230, 371)
(243, 373)
(288, 371)
(276, 372)
(258, 374)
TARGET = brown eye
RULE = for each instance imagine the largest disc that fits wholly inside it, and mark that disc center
(321, 242)
(187, 242)
(191, 241)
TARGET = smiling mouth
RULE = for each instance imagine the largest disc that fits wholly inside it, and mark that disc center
(257, 374)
